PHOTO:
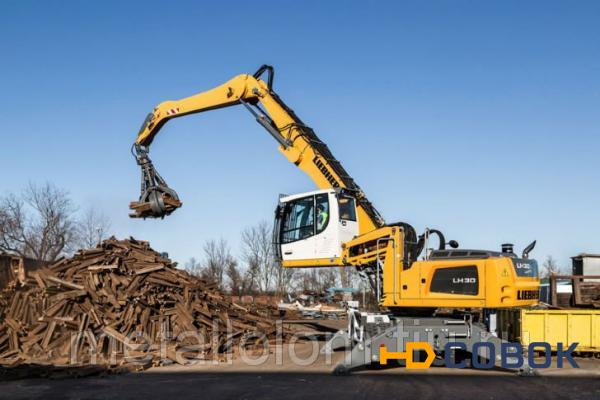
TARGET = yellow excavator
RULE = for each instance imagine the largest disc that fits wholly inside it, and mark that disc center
(337, 226)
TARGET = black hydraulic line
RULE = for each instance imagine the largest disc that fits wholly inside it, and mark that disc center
(440, 235)
(270, 74)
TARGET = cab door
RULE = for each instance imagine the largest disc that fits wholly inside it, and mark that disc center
(327, 242)
(336, 223)
(347, 218)
(298, 229)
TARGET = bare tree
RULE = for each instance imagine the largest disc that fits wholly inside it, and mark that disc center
(328, 277)
(239, 281)
(258, 254)
(194, 267)
(93, 228)
(252, 275)
(345, 276)
(217, 260)
(302, 282)
(285, 278)
(317, 280)
(550, 267)
(40, 223)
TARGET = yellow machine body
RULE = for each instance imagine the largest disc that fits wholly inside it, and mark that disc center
(498, 286)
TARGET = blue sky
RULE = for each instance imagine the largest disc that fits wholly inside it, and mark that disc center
(478, 118)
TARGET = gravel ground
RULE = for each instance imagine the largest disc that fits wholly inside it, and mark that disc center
(285, 379)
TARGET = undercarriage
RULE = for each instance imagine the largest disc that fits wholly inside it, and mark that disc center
(418, 342)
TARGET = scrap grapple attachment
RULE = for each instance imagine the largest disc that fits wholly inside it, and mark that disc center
(157, 199)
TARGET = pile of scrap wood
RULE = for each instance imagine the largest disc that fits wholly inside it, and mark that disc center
(118, 303)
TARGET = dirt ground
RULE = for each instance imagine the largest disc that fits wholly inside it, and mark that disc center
(280, 377)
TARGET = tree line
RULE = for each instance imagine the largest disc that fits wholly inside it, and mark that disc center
(43, 223)
(258, 271)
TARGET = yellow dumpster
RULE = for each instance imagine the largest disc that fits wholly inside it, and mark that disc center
(552, 326)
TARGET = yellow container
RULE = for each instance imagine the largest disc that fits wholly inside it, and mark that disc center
(552, 326)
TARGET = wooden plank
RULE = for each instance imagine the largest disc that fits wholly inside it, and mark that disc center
(48, 334)
(39, 280)
(68, 295)
(149, 269)
(118, 336)
(95, 268)
(64, 283)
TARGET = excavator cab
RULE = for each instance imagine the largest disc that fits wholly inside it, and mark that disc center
(310, 227)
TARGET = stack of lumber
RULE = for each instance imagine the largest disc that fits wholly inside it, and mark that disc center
(118, 303)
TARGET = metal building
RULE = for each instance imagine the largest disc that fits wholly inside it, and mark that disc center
(586, 264)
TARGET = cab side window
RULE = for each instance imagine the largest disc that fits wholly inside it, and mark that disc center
(322, 203)
(347, 208)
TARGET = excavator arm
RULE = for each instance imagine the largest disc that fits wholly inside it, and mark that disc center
(297, 142)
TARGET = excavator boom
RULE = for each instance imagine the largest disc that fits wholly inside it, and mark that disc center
(297, 142)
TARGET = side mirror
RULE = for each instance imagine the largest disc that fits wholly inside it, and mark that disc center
(453, 244)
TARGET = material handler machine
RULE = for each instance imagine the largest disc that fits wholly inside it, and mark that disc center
(337, 226)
